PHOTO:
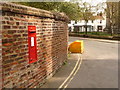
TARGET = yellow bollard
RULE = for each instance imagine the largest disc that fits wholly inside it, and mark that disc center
(76, 47)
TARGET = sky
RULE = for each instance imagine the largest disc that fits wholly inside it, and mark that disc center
(94, 2)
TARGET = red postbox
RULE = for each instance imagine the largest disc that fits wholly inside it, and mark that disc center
(32, 44)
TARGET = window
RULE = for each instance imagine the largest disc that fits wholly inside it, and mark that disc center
(75, 22)
(92, 21)
(69, 22)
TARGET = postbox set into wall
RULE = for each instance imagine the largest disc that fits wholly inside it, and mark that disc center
(32, 44)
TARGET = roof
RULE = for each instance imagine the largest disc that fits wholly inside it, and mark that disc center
(99, 17)
(95, 17)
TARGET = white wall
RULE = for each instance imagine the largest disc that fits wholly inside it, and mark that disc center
(95, 24)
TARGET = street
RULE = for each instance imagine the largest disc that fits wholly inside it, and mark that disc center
(99, 67)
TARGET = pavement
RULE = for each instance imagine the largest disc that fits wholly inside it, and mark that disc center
(97, 67)
(63, 73)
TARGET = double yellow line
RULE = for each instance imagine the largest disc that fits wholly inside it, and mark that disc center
(72, 74)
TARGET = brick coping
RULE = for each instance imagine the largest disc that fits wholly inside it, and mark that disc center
(17, 8)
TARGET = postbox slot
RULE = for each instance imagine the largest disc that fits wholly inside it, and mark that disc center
(32, 31)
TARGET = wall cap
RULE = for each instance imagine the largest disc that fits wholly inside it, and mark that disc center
(17, 8)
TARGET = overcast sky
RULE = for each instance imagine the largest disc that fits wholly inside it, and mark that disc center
(94, 2)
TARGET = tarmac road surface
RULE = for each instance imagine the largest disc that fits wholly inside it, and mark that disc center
(99, 68)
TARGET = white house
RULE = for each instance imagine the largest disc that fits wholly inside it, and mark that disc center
(96, 25)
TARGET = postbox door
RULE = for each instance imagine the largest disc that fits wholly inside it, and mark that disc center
(32, 44)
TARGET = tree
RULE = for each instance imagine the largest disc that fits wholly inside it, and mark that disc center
(87, 14)
(112, 16)
(72, 10)
(119, 18)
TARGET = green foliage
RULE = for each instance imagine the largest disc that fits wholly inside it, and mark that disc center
(43, 5)
(86, 12)
(68, 54)
(65, 62)
(72, 10)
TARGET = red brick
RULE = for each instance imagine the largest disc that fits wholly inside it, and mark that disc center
(51, 47)
(7, 44)
(6, 27)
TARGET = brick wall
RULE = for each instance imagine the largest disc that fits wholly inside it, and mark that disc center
(0, 48)
(51, 45)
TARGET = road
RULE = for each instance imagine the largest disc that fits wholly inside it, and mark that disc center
(99, 68)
